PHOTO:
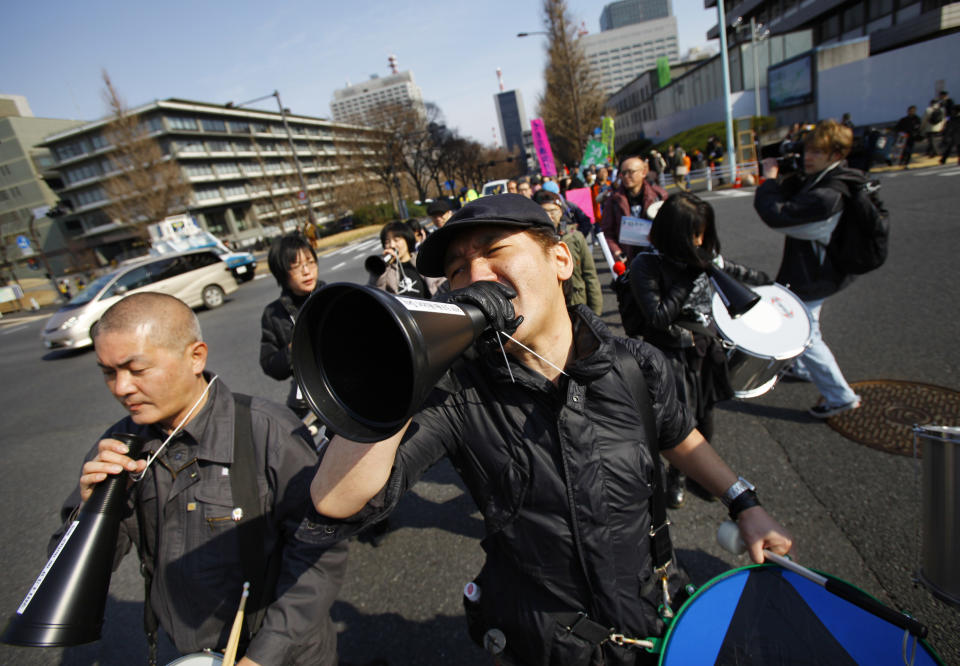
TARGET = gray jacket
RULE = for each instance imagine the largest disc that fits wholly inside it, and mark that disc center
(185, 499)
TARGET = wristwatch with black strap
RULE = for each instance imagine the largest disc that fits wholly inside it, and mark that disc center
(739, 497)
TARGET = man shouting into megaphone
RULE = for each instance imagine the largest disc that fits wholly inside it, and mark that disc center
(555, 426)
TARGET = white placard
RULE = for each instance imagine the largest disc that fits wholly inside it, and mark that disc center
(430, 306)
(634, 231)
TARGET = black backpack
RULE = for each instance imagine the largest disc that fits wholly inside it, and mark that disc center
(859, 243)
(936, 115)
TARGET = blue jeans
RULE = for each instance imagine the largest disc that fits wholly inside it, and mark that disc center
(819, 366)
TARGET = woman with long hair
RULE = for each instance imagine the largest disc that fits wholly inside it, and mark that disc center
(674, 295)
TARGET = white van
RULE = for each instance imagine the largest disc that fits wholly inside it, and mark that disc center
(196, 278)
(495, 187)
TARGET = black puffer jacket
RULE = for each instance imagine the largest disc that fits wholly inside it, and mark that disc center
(276, 332)
(806, 211)
(660, 286)
(562, 476)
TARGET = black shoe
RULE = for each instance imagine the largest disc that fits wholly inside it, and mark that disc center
(700, 491)
(674, 491)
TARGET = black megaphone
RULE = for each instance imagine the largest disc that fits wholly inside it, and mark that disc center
(377, 264)
(366, 360)
(66, 603)
(736, 297)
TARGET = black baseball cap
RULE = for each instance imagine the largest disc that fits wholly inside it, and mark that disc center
(507, 210)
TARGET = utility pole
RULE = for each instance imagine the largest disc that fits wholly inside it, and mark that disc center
(293, 149)
(728, 111)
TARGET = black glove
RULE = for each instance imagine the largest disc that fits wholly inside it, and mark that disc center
(493, 299)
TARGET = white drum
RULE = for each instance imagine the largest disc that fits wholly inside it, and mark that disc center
(198, 659)
(764, 340)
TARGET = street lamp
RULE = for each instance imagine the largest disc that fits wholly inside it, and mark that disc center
(570, 81)
(758, 33)
(293, 149)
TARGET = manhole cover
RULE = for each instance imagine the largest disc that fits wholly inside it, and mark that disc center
(890, 408)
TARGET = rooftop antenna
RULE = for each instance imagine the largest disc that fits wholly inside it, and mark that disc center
(500, 78)
(392, 60)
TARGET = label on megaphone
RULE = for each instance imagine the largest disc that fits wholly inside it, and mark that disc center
(47, 567)
(417, 305)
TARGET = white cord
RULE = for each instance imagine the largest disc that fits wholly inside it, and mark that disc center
(560, 370)
(176, 430)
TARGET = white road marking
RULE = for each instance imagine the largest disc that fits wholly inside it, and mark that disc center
(735, 193)
(340, 265)
(260, 277)
(950, 172)
(11, 329)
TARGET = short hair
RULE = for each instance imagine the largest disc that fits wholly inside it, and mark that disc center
(545, 196)
(414, 225)
(682, 216)
(283, 253)
(173, 324)
(438, 207)
(830, 137)
(401, 229)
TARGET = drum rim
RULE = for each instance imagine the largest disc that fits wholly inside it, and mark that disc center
(665, 640)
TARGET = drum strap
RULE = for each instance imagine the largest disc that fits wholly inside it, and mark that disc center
(250, 531)
(661, 548)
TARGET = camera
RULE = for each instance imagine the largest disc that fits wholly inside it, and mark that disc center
(790, 159)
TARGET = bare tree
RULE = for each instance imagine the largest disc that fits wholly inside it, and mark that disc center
(146, 184)
(572, 102)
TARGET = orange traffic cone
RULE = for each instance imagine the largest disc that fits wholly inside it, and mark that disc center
(736, 182)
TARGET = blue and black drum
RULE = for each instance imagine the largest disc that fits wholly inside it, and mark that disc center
(766, 615)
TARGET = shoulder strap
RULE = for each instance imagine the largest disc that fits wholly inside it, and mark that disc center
(661, 548)
(250, 528)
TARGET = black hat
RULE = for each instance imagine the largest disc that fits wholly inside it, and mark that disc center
(438, 207)
(508, 210)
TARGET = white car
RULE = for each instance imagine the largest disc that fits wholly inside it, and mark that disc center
(197, 278)
(494, 187)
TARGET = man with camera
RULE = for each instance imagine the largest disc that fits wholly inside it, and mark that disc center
(220, 500)
(555, 426)
(806, 210)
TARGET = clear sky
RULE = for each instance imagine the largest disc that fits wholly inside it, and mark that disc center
(219, 50)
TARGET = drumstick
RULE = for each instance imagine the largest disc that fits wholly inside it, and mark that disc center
(230, 653)
(728, 536)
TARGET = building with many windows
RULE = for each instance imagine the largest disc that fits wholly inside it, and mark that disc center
(619, 55)
(627, 12)
(355, 103)
(512, 117)
(241, 166)
(25, 197)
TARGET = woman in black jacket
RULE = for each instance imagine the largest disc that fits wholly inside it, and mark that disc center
(674, 295)
(294, 265)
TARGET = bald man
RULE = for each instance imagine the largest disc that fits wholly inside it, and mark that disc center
(187, 516)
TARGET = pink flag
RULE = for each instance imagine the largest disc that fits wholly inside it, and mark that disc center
(581, 197)
(542, 145)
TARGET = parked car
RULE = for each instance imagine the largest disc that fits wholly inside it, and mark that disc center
(197, 278)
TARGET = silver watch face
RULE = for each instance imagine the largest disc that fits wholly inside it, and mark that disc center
(734, 491)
